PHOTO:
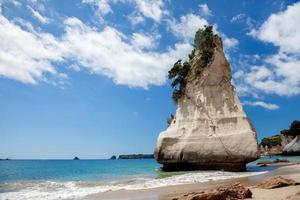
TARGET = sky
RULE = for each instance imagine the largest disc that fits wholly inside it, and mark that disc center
(88, 78)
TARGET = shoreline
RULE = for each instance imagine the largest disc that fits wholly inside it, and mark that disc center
(290, 170)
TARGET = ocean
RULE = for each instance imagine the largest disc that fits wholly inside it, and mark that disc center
(73, 179)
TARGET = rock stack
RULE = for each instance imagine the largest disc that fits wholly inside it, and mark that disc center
(210, 129)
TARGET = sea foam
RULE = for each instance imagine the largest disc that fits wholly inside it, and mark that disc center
(52, 190)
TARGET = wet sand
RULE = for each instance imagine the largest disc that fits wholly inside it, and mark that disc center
(167, 193)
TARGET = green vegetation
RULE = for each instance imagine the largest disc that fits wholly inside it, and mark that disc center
(271, 141)
(204, 41)
(192, 54)
(170, 119)
(178, 73)
(294, 129)
(275, 140)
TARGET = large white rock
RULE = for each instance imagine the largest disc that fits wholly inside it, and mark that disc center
(292, 148)
(210, 129)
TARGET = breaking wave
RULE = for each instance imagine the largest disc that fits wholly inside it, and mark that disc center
(52, 190)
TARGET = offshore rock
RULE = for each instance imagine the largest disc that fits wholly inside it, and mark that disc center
(210, 129)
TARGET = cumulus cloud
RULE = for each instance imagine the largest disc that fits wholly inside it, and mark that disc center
(107, 53)
(142, 41)
(187, 25)
(151, 8)
(204, 10)
(127, 60)
(102, 7)
(230, 43)
(247, 20)
(27, 56)
(136, 18)
(268, 106)
(280, 73)
(38, 16)
(282, 29)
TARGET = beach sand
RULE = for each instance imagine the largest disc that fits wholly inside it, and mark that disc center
(167, 193)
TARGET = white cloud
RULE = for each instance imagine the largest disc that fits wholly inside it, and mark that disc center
(282, 29)
(204, 10)
(151, 8)
(258, 73)
(38, 16)
(238, 17)
(187, 26)
(142, 41)
(27, 56)
(279, 73)
(102, 7)
(108, 52)
(230, 43)
(268, 106)
(136, 18)
(247, 20)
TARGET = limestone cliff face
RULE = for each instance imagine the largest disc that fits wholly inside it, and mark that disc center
(210, 129)
(292, 148)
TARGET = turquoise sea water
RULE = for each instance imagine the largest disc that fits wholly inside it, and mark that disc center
(63, 179)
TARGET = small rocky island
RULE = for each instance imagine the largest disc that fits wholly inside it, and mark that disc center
(210, 130)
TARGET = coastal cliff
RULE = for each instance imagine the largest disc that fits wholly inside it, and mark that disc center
(210, 130)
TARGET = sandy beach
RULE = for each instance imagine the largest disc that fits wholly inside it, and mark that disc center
(291, 171)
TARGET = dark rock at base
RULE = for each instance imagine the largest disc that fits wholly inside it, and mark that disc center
(204, 166)
(265, 162)
(232, 192)
(263, 165)
(113, 157)
(76, 158)
(281, 161)
(269, 162)
(137, 156)
(276, 182)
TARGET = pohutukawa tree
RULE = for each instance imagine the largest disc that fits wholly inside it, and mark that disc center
(203, 45)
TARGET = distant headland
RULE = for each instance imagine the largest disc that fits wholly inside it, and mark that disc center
(133, 156)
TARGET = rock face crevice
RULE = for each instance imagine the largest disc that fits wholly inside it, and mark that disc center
(210, 129)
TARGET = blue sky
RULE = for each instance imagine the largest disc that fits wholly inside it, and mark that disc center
(87, 78)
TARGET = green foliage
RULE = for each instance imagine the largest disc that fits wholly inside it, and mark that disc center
(178, 74)
(271, 141)
(204, 38)
(284, 131)
(294, 129)
(192, 54)
(170, 119)
(204, 42)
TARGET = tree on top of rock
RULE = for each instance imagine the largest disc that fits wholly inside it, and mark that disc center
(203, 42)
